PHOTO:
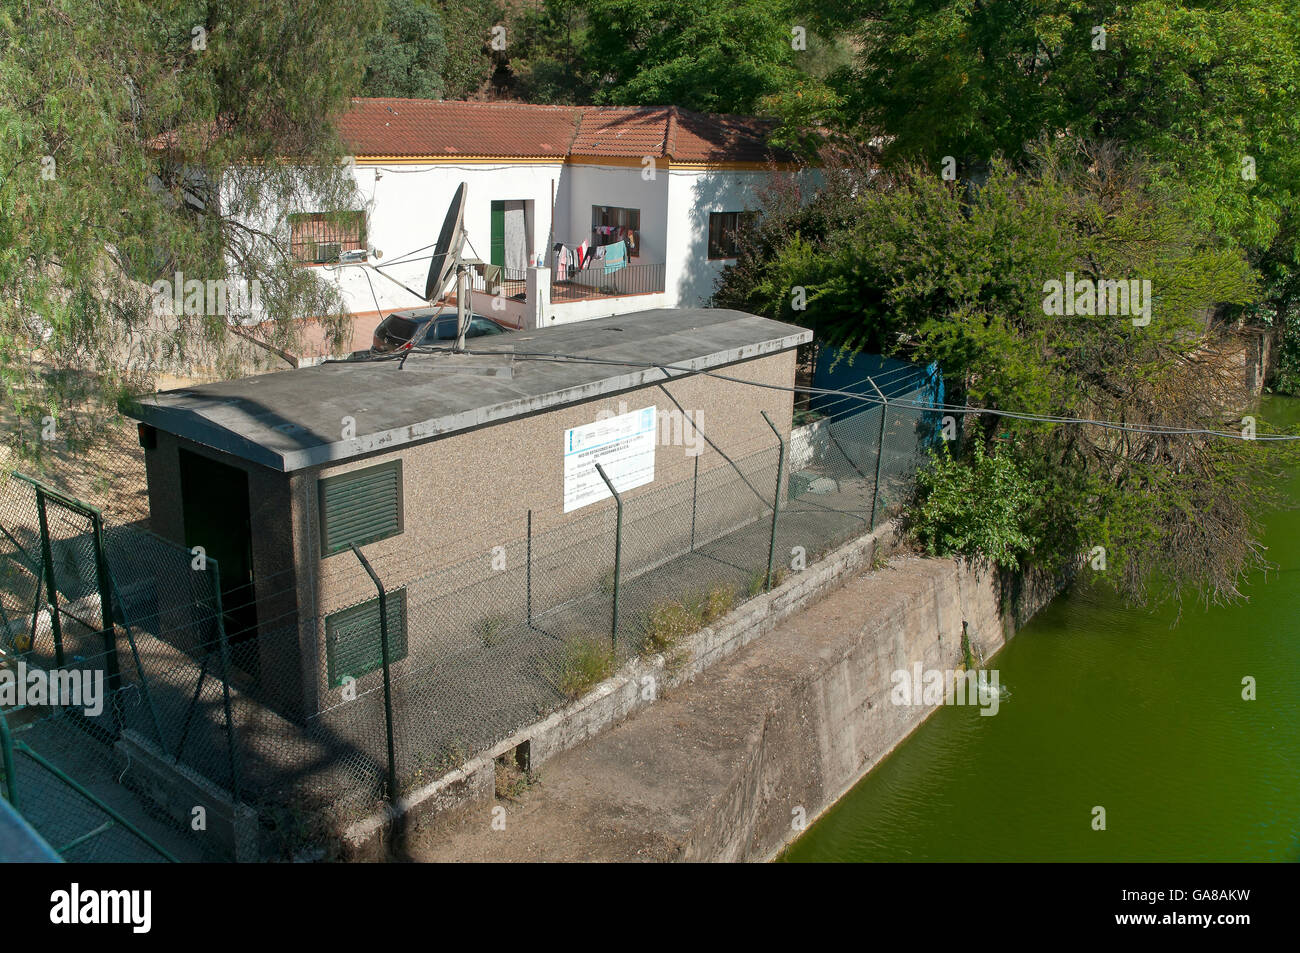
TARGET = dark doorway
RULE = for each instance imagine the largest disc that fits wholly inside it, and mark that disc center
(214, 504)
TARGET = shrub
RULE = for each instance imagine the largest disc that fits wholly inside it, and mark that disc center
(666, 623)
(587, 663)
(719, 601)
(980, 509)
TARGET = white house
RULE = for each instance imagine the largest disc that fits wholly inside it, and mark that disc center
(670, 184)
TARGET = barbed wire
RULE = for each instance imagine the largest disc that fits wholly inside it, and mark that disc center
(933, 406)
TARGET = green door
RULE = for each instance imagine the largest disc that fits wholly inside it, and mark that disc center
(498, 247)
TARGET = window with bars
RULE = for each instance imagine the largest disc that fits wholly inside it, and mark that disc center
(321, 237)
(610, 223)
(723, 230)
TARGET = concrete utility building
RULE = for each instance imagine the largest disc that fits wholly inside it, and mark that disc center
(432, 461)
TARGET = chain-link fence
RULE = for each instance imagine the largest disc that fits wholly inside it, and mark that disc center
(77, 675)
(299, 719)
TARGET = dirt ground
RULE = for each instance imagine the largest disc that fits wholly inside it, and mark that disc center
(109, 474)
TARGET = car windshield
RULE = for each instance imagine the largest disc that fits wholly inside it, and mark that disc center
(398, 328)
(444, 329)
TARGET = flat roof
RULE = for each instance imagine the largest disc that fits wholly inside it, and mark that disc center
(293, 419)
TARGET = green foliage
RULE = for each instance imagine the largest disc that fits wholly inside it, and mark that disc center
(668, 622)
(467, 26)
(909, 264)
(1203, 90)
(140, 139)
(708, 55)
(407, 55)
(512, 782)
(716, 603)
(981, 508)
(545, 54)
(807, 110)
(588, 661)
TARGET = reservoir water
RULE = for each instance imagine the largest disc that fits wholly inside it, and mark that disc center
(1108, 706)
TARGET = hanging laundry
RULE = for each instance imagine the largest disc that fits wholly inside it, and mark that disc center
(615, 256)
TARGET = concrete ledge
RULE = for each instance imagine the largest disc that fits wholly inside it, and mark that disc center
(614, 699)
(176, 790)
(725, 767)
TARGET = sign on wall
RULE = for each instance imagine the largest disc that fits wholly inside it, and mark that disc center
(623, 445)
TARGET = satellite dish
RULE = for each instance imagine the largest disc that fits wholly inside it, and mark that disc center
(446, 254)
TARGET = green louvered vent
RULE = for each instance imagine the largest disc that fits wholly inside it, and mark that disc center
(352, 643)
(361, 507)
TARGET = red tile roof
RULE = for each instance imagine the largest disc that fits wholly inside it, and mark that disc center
(426, 127)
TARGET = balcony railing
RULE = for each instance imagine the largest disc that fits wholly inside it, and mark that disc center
(511, 282)
(595, 282)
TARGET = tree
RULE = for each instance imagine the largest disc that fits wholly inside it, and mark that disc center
(138, 140)
(467, 25)
(545, 54)
(1204, 91)
(910, 264)
(407, 56)
(707, 55)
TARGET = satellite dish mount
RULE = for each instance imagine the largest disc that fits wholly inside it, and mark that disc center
(448, 263)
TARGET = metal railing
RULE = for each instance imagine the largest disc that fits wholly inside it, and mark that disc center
(597, 282)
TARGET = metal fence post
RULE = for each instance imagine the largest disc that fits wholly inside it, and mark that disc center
(695, 493)
(880, 449)
(388, 687)
(109, 631)
(7, 761)
(618, 552)
(225, 680)
(47, 556)
(139, 664)
(776, 499)
(528, 572)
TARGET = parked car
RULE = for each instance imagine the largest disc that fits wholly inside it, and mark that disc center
(404, 329)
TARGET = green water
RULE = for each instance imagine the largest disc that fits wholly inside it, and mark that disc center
(1108, 706)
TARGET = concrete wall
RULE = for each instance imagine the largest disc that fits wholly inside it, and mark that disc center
(567, 312)
(820, 734)
(800, 714)
(693, 194)
(619, 183)
(405, 204)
